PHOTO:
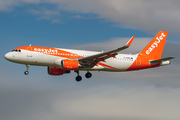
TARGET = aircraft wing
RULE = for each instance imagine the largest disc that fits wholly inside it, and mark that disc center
(92, 60)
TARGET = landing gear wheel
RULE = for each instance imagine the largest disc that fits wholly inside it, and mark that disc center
(78, 78)
(26, 72)
(88, 75)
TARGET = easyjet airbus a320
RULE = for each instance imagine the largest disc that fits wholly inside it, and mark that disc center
(61, 61)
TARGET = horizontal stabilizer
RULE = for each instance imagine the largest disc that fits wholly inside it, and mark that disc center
(160, 60)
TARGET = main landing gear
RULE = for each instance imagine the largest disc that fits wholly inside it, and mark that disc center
(79, 78)
(88, 75)
(27, 68)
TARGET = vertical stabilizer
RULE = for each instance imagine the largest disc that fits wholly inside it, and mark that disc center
(155, 48)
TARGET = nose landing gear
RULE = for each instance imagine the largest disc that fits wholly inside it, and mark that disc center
(26, 72)
(27, 68)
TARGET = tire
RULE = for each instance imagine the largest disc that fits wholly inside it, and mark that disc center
(88, 75)
(26, 72)
(78, 78)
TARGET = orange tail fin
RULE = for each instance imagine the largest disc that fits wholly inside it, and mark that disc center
(155, 48)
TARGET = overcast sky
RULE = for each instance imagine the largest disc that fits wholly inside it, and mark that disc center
(151, 94)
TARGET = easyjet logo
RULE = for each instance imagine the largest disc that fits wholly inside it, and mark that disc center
(155, 44)
(45, 51)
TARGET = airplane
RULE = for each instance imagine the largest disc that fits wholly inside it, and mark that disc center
(63, 61)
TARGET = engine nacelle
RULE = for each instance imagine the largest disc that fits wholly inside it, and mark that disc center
(69, 64)
(55, 71)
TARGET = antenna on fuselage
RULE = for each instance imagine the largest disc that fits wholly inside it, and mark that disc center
(30, 45)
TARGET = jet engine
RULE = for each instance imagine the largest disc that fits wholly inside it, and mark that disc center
(69, 64)
(56, 71)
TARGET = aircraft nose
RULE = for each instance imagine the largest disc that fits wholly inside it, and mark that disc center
(7, 56)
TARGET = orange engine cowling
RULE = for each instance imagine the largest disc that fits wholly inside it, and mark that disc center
(55, 71)
(69, 64)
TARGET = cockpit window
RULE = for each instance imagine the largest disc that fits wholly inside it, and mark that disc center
(16, 50)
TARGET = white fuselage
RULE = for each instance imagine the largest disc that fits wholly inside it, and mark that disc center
(121, 63)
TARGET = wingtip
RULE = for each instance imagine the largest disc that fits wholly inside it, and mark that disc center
(173, 57)
(130, 41)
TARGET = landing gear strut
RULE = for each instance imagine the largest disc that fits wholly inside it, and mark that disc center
(27, 68)
(78, 78)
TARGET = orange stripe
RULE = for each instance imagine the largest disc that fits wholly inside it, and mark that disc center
(107, 66)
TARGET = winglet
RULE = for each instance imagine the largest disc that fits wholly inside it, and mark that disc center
(130, 41)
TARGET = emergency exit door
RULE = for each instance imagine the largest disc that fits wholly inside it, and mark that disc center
(29, 52)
